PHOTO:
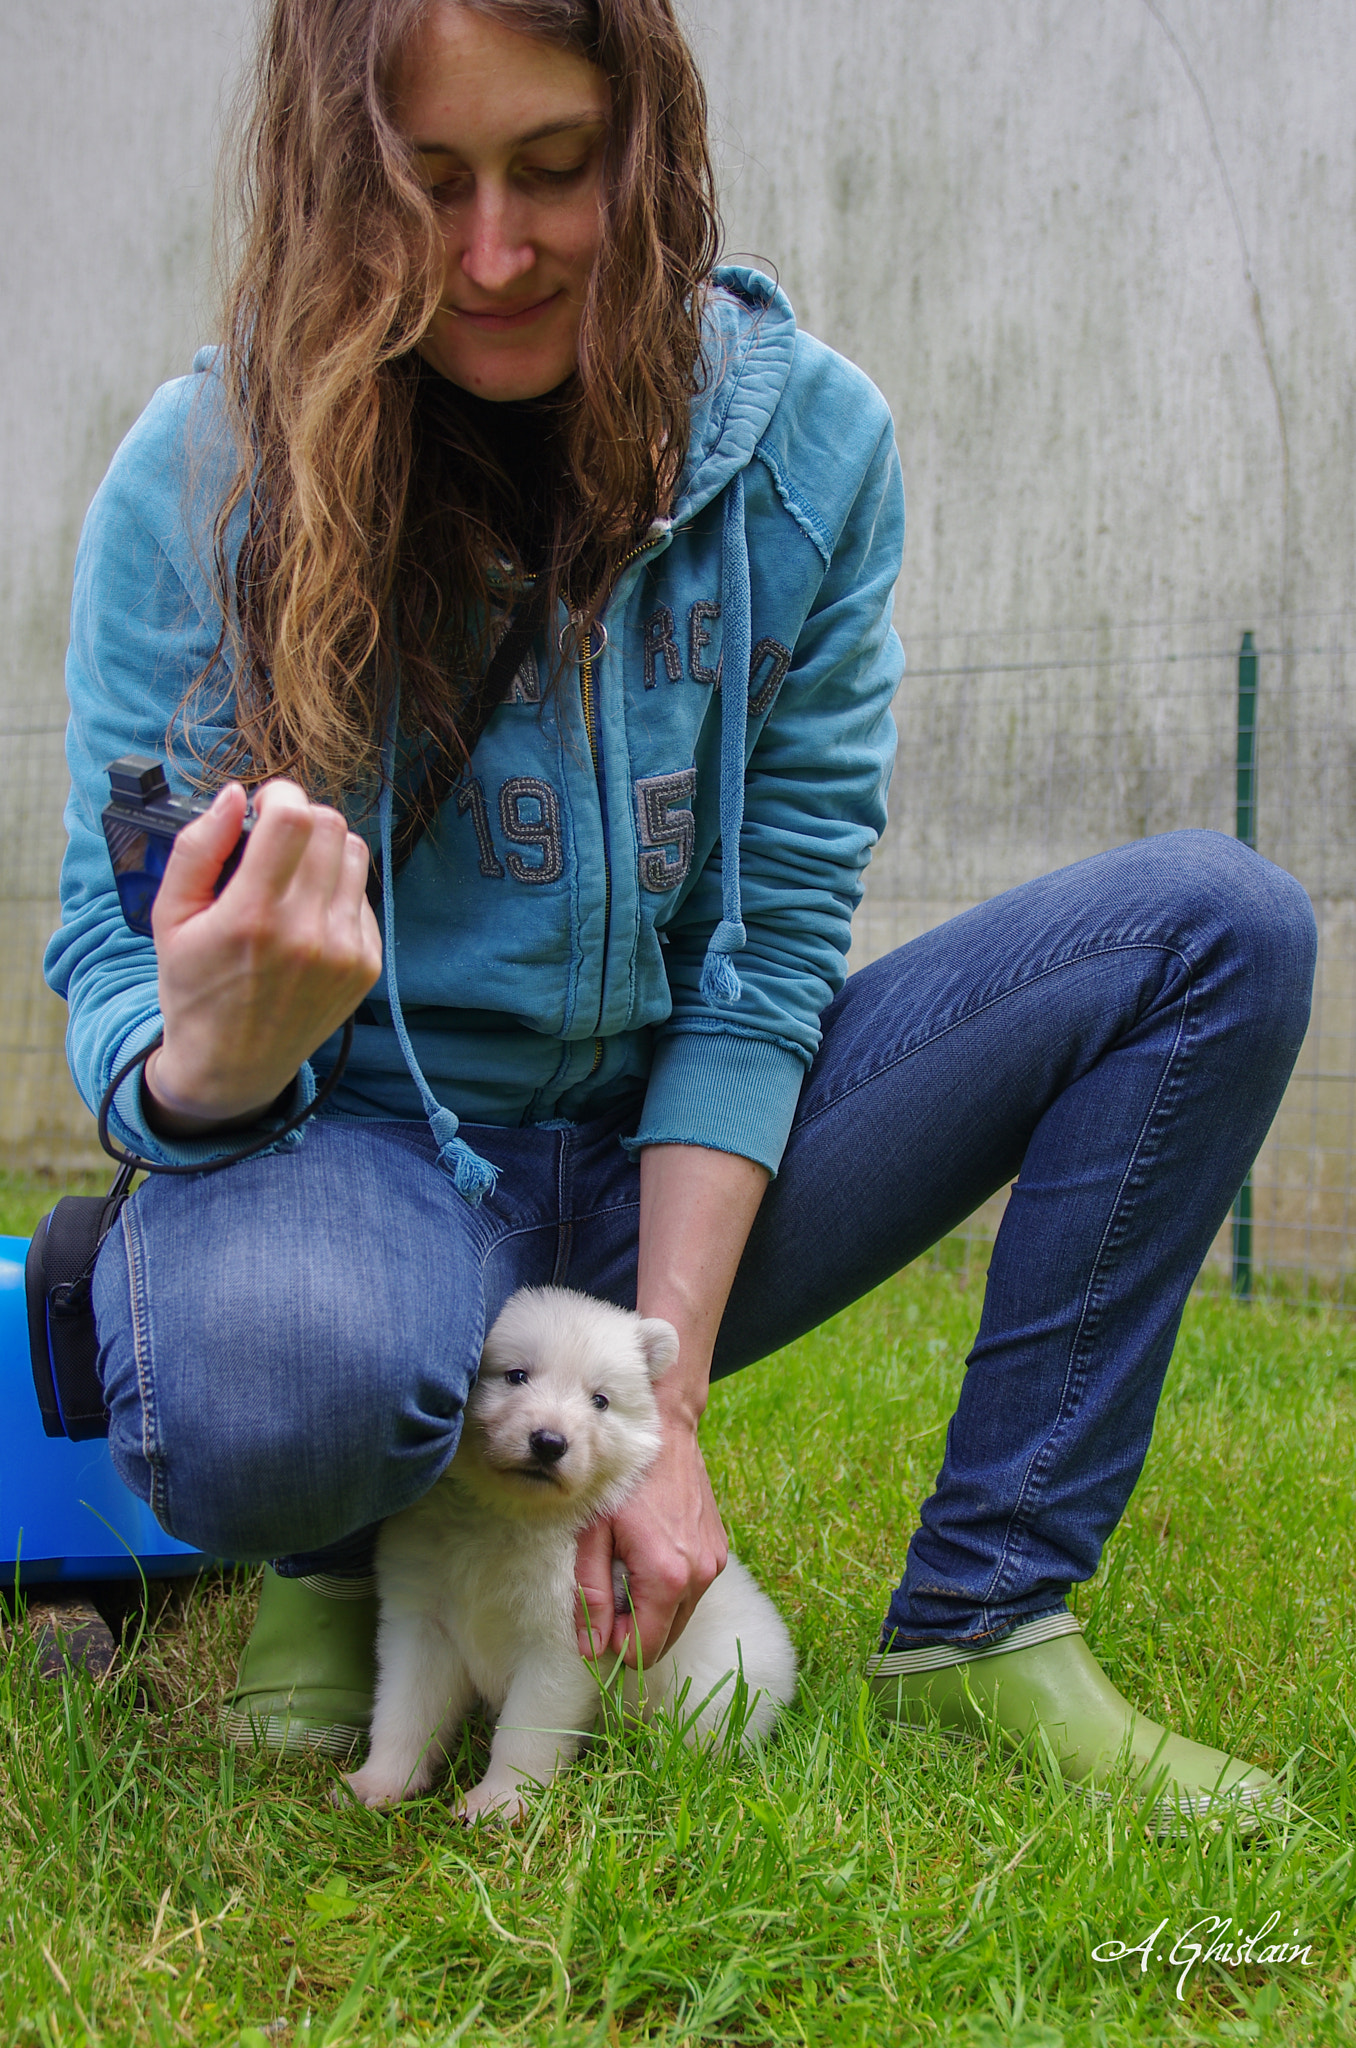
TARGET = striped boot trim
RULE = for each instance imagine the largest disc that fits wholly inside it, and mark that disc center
(939, 1656)
(1249, 1808)
(288, 1737)
(331, 1588)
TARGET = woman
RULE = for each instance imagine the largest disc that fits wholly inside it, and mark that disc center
(484, 388)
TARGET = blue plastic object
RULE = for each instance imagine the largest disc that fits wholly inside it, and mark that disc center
(64, 1512)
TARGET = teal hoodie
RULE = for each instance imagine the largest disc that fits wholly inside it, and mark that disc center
(571, 938)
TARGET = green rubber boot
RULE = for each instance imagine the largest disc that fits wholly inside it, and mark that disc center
(307, 1676)
(1044, 1676)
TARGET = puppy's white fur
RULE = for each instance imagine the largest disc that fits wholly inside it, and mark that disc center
(477, 1580)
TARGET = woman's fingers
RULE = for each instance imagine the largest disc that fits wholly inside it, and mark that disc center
(290, 833)
(300, 885)
(669, 1535)
(662, 1597)
(313, 914)
(658, 1612)
(353, 873)
(355, 908)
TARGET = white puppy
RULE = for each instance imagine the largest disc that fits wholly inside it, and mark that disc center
(477, 1580)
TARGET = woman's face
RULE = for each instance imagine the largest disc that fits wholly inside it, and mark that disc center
(509, 133)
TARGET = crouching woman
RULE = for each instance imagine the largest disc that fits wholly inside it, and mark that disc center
(536, 575)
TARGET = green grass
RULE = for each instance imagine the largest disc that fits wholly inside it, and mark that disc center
(26, 1196)
(847, 1886)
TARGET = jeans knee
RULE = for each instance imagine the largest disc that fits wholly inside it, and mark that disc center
(287, 1347)
(1254, 919)
(250, 1482)
(278, 1441)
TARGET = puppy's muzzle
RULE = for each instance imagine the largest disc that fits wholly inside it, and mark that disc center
(548, 1446)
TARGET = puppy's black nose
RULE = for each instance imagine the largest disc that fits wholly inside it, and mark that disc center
(548, 1446)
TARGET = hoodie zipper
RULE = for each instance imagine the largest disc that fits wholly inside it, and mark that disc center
(591, 728)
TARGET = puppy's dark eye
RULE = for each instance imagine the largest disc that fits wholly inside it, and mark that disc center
(600, 1400)
(516, 1378)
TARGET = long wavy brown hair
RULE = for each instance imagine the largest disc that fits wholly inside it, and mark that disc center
(361, 523)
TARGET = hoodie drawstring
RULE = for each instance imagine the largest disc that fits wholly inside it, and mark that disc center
(472, 1176)
(719, 981)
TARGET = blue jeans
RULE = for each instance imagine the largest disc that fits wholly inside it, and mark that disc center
(287, 1346)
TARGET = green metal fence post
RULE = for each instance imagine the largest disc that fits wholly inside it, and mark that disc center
(1245, 828)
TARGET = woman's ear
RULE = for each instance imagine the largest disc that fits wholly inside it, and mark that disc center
(659, 1343)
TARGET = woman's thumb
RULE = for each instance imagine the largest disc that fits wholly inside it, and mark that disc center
(594, 1607)
(198, 855)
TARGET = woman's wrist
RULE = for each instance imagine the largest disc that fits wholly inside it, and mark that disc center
(171, 1116)
(681, 1396)
(696, 1210)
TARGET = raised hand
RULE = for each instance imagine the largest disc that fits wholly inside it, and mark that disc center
(253, 980)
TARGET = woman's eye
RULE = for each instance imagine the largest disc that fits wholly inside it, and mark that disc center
(553, 174)
(449, 191)
(517, 1378)
(600, 1400)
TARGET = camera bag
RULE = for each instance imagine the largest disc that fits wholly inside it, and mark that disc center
(58, 1277)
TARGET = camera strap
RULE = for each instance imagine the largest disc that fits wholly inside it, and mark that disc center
(131, 1161)
(438, 777)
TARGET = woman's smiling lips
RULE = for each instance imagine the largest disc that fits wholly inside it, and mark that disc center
(491, 321)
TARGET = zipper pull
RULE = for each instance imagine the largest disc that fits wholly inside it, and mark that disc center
(577, 645)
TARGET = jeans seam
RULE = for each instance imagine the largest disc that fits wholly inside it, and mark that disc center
(1075, 1379)
(1018, 988)
(139, 1297)
(564, 1210)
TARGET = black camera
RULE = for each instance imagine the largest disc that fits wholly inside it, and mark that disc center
(141, 821)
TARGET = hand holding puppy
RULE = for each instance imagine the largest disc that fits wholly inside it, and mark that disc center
(696, 1210)
(671, 1541)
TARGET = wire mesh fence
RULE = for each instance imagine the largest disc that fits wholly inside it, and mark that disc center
(1018, 753)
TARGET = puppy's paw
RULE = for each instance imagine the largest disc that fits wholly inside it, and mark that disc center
(487, 1801)
(372, 1787)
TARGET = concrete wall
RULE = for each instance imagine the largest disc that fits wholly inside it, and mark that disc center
(1101, 261)
(108, 144)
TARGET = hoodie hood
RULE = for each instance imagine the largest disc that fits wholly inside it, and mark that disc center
(748, 362)
(749, 350)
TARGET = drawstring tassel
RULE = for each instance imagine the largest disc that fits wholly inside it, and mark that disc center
(471, 1176)
(719, 981)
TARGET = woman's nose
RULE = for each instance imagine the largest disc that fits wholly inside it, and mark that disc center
(497, 251)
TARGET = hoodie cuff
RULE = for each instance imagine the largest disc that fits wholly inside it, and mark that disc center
(722, 1089)
(127, 1125)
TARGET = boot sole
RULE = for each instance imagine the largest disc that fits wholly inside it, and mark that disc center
(284, 1735)
(1171, 1819)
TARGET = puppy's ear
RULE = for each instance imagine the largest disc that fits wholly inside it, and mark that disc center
(659, 1343)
